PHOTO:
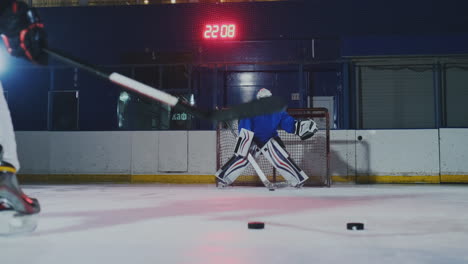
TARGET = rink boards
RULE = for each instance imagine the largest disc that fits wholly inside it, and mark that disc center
(393, 156)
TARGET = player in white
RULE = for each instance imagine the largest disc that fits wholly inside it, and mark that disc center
(259, 135)
(23, 36)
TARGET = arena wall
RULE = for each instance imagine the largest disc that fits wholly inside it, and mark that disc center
(361, 156)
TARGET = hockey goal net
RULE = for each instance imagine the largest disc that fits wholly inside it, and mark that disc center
(311, 155)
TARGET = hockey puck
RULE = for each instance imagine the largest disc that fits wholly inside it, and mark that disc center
(355, 226)
(271, 189)
(256, 225)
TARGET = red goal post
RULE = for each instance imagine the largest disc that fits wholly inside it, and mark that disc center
(311, 155)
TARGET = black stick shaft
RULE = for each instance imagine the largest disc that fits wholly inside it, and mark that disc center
(258, 107)
(75, 62)
(119, 79)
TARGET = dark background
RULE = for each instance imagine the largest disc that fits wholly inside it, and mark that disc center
(274, 46)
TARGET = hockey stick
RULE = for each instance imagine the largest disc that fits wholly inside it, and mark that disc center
(254, 108)
(262, 176)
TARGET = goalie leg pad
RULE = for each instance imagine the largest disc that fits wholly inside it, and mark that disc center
(238, 162)
(280, 159)
(244, 140)
(232, 169)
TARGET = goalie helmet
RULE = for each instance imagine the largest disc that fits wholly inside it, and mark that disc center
(262, 93)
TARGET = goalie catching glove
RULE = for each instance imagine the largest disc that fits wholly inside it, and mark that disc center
(305, 129)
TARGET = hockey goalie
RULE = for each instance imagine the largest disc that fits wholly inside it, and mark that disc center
(259, 136)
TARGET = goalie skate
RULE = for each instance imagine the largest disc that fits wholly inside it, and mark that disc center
(278, 185)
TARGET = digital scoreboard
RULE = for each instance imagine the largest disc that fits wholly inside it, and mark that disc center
(223, 31)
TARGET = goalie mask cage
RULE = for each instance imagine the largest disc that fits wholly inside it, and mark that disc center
(311, 155)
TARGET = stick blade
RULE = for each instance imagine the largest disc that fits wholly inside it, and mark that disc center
(262, 106)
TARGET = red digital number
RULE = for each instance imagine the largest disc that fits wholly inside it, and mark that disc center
(224, 30)
(231, 31)
(208, 29)
(217, 31)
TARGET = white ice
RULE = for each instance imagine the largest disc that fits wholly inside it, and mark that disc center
(200, 224)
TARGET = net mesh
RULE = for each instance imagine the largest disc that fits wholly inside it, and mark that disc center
(311, 155)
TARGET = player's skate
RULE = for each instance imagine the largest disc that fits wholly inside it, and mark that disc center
(17, 210)
(12, 193)
(13, 223)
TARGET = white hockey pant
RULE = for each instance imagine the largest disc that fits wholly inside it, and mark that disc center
(280, 159)
(7, 135)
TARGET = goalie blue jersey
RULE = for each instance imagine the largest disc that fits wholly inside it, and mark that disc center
(266, 126)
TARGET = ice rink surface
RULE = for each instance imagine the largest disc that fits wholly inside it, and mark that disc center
(200, 224)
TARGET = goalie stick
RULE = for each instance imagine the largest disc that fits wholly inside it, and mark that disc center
(263, 177)
(253, 108)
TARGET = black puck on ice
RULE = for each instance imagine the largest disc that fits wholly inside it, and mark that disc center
(355, 226)
(256, 225)
(271, 189)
